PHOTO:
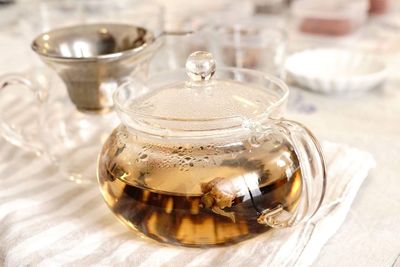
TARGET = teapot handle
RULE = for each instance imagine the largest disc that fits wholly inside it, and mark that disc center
(313, 172)
(12, 134)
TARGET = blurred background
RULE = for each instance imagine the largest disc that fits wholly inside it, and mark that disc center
(364, 25)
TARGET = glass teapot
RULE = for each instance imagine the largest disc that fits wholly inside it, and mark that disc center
(208, 160)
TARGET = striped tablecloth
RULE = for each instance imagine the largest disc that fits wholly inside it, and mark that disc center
(49, 221)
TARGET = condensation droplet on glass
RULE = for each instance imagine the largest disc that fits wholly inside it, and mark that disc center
(254, 141)
(143, 157)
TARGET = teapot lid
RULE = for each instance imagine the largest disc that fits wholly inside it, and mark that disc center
(209, 99)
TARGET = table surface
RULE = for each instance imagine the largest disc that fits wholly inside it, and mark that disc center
(371, 121)
(370, 235)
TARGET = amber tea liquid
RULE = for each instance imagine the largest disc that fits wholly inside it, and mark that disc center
(198, 195)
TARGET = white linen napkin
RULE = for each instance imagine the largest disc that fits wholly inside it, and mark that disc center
(48, 221)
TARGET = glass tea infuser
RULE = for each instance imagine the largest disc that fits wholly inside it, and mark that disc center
(203, 158)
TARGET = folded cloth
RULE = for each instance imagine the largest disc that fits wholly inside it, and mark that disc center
(47, 221)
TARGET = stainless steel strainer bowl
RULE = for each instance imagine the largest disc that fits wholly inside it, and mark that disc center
(94, 59)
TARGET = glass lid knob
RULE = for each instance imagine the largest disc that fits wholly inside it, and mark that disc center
(200, 66)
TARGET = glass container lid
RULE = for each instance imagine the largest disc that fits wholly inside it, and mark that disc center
(207, 100)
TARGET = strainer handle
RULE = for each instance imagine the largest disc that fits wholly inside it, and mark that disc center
(18, 135)
(313, 173)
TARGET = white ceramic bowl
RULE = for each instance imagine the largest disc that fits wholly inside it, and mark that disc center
(335, 70)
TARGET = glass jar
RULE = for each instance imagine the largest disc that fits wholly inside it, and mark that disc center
(209, 161)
